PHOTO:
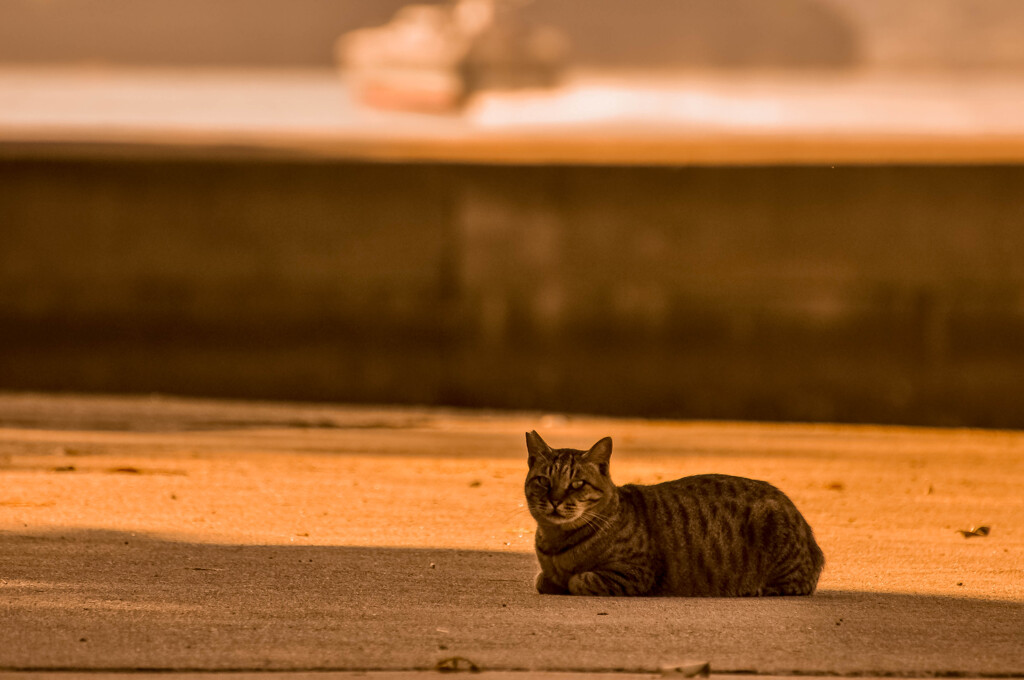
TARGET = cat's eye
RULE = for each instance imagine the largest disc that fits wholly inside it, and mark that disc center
(542, 481)
(578, 484)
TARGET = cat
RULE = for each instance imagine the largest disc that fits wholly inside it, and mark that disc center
(705, 535)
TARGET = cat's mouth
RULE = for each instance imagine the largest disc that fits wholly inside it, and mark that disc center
(557, 517)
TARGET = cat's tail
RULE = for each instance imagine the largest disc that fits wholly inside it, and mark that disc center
(816, 554)
(800, 569)
(817, 558)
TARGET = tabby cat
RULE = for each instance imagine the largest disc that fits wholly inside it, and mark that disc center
(706, 535)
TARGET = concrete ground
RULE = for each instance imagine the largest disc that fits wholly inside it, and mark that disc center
(153, 534)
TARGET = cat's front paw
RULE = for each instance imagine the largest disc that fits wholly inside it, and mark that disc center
(546, 586)
(587, 583)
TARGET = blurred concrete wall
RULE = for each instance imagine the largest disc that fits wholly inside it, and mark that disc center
(884, 294)
(903, 34)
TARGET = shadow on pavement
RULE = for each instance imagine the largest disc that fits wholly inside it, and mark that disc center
(109, 600)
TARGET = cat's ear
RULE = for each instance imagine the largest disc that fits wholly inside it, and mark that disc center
(600, 452)
(536, 447)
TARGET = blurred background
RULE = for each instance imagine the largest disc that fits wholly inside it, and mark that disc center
(804, 210)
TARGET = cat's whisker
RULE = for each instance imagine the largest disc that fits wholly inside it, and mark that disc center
(518, 513)
(599, 523)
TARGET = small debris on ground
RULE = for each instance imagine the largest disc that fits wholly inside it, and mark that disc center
(835, 486)
(974, 531)
(456, 664)
(698, 669)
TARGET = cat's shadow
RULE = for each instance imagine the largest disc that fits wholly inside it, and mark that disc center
(107, 599)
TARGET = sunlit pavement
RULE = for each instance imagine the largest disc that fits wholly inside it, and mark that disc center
(156, 534)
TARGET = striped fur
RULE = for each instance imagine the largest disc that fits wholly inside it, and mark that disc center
(706, 535)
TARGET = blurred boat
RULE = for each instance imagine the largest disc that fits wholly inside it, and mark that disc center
(435, 57)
